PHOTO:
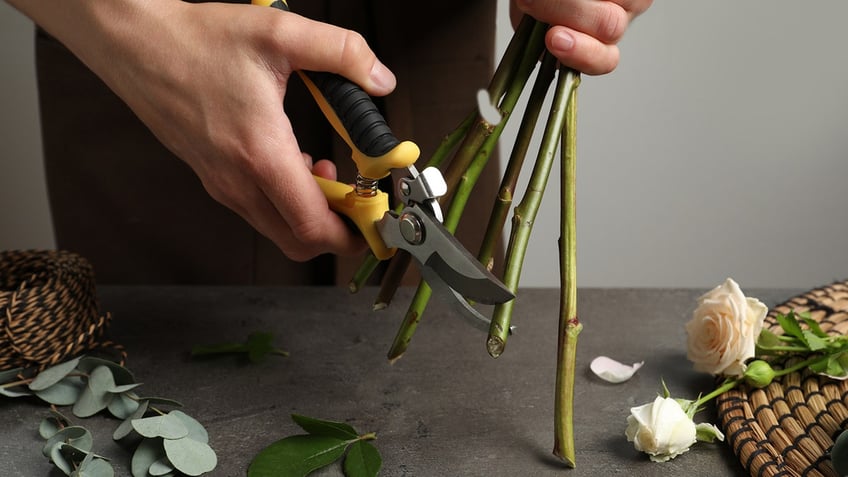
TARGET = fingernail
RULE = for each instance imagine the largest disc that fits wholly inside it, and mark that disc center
(383, 77)
(562, 41)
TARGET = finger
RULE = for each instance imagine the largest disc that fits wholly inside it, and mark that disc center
(604, 20)
(581, 52)
(297, 199)
(316, 46)
(325, 169)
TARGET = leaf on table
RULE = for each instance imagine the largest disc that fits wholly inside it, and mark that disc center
(339, 430)
(258, 346)
(53, 375)
(297, 456)
(362, 460)
(189, 456)
(613, 371)
(165, 426)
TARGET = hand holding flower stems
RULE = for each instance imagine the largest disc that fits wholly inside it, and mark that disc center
(726, 338)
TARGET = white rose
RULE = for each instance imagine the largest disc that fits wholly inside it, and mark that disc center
(723, 331)
(662, 429)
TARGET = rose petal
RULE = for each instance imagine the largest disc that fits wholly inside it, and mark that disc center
(612, 371)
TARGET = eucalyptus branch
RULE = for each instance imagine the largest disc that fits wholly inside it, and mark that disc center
(569, 325)
(525, 213)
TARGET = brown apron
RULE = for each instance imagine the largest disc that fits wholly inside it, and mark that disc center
(141, 216)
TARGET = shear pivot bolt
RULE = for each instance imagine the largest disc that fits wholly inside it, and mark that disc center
(411, 229)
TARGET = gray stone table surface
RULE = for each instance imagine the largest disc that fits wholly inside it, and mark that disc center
(446, 408)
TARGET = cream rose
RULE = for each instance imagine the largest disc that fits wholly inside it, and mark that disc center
(723, 331)
(661, 429)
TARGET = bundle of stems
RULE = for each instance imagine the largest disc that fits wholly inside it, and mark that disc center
(461, 157)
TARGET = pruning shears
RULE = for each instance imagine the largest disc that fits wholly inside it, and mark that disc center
(447, 266)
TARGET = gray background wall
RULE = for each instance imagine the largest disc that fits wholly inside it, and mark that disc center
(717, 148)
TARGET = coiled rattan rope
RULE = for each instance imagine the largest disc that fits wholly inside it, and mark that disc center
(48, 309)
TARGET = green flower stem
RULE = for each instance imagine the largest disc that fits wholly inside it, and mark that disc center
(569, 325)
(363, 273)
(525, 214)
(464, 171)
(731, 383)
(503, 201)
(410, 321)
(392, 279)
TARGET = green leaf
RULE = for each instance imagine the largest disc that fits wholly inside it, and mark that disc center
(839, 454)
(52, 424)
(768, 339)
(362, 460)
(14, 393)
(790, 325)
(814, 326)
(339, 430)
(76, 436)
(258, 346)
(95, 468)
(161, 467)
(63, 393)
(189, 456)
(161, 400)
(122, 405)
(10, 375)
(196, 431)
(120, 374)
(53, 375)
(92, 400)
(814, 342)
(125, 427)
(165, 426)
(297, 456)
(147, 452)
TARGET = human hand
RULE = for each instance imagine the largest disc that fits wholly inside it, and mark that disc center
(583, 34)
(209, 81)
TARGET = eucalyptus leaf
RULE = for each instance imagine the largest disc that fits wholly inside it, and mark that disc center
(124, 388)
(14, 393)
(120, 374)
(147, 452)
(196, 431)
(95, 468)
(189, 456)
(161, 400)
(100, 379)
(50, 425)
(53, 375)
(297, 456)
(126, 427)
(122, 406)
(165, 426)
(60, 459)
(10, 375)
(91, 401)
(339, 430)
(161, 467)
(362, 460)
(76, 436)
(65, 392)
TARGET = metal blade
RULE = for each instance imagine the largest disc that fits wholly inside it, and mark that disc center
(436, 249)
(457, 301)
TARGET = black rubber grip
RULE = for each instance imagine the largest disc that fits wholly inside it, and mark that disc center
(357, 112)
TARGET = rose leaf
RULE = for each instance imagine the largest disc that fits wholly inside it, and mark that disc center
(362, 460)
(297, 456)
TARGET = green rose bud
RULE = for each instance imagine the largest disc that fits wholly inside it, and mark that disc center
(759, 374)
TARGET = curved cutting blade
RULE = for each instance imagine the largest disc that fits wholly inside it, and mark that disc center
(436, 249)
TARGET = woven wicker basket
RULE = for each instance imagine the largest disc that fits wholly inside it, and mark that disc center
(48, 308)
(788, 428)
